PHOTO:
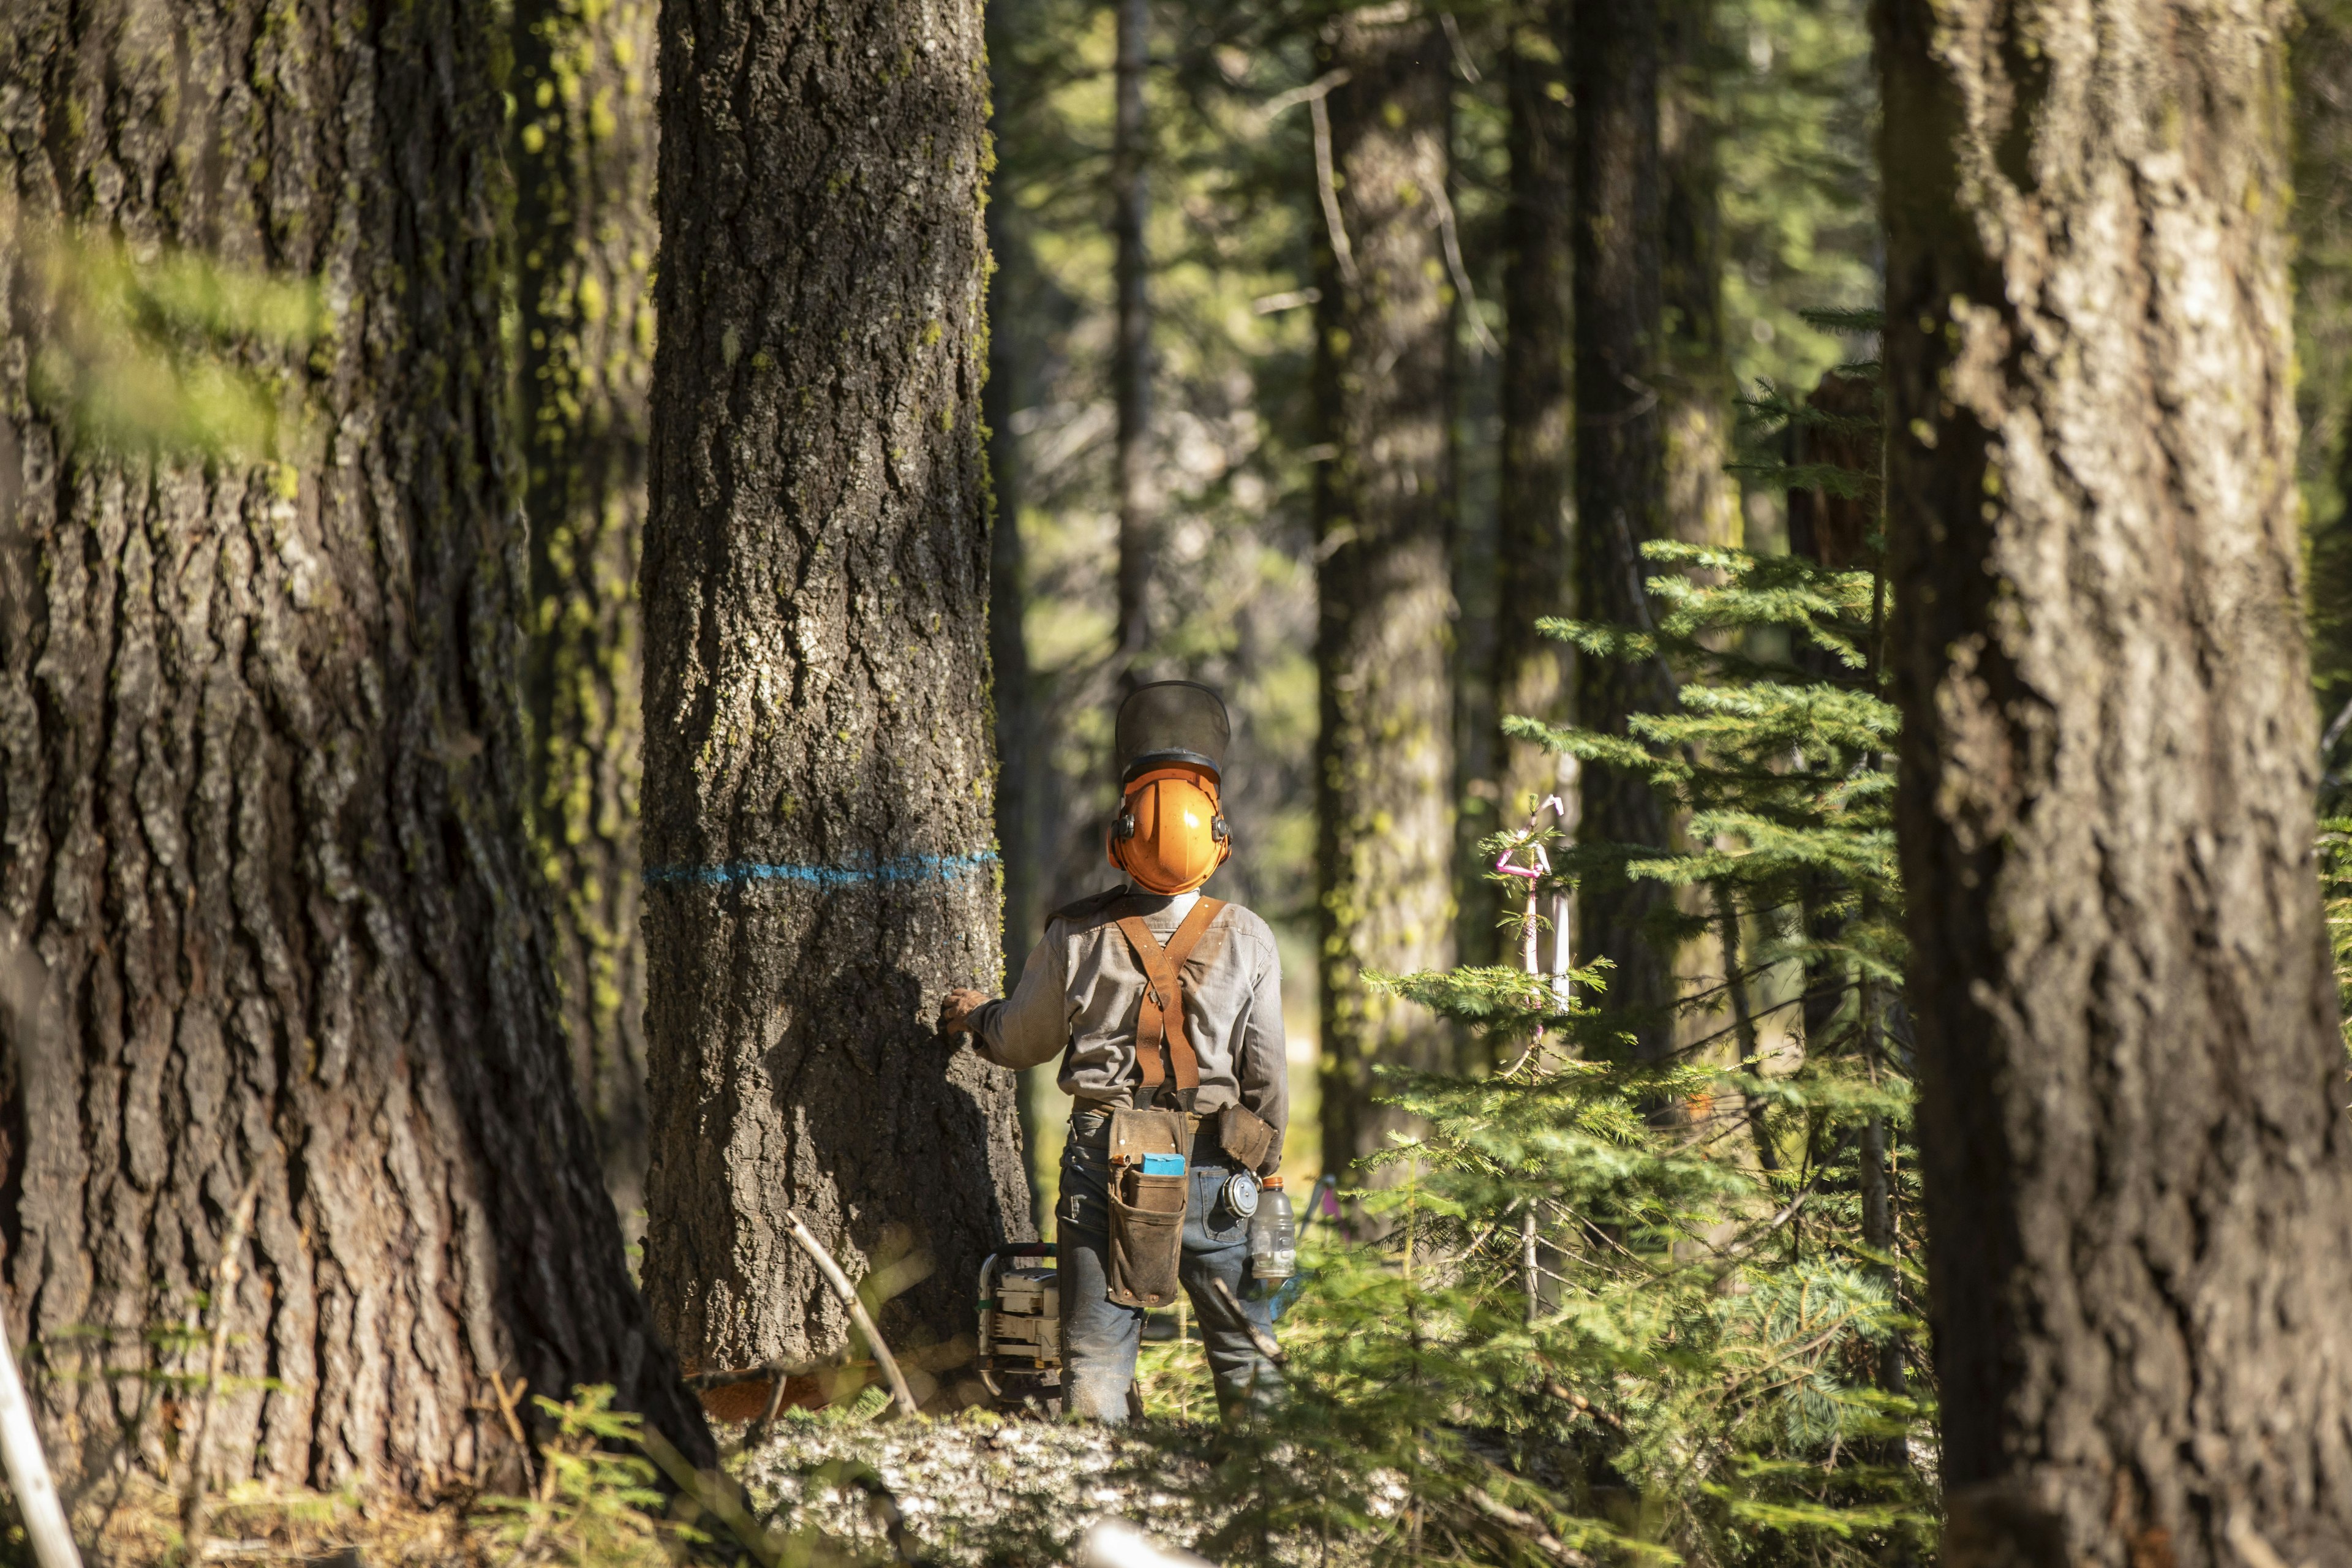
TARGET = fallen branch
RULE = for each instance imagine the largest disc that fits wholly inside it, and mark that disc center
(858, 1313)
(28, 1471)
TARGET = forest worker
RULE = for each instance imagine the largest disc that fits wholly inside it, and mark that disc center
(1165, 1008)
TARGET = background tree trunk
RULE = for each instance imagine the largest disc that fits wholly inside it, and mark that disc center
(1619, 458)
(266, 909)
(2320, 61)
(584, 150)
(1130, 369)
(1384, 831)
(817, 822)
(2139, 1167)
(1534, 511)
(1702, 505)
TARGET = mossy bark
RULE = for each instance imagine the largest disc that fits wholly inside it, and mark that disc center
(820, 866)
(583, 148)
(1536, 504)
(266, 914)
(1384, 755)
(2137, 1162)
(1620, 447)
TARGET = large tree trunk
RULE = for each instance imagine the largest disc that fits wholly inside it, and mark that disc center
(817, 823)
(1619, 460)
(1130, 367)
(584, 150)
(1384, 835)
(266, 909)
(2139, 1167)
(1532, 671)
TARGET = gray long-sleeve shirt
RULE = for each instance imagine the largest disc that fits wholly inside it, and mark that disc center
(1081, 993)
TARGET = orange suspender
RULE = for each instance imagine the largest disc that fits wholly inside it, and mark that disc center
(1163, 994)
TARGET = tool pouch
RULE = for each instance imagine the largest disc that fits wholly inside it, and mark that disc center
(1147, 1212)
(1247, 1137)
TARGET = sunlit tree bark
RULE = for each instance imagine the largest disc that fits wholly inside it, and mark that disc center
(2137, 1162)
(818, 830)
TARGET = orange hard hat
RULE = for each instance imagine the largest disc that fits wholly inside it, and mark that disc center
(1170, 832)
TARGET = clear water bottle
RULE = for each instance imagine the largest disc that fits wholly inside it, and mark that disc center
(1273, 1235)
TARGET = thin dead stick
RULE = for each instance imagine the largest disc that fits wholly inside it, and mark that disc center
(1326, 185)
(1265, 1342)
(1343, 255)
(1451, 235)
(28, 1471)
(508, 1400)
(858, 1313)
(224, 1278)
(1529, 923)
(1527, 1265)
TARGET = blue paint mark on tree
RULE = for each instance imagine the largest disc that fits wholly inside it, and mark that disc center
(744, 873)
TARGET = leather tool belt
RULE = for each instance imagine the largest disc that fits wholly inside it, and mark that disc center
(1146, 1210)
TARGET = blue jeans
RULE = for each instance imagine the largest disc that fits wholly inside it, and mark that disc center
(1099, 1338)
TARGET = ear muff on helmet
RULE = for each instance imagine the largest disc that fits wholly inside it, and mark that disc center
(1170, 832)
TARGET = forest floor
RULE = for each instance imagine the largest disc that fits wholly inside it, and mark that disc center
(968, 1489)
(977, 1486)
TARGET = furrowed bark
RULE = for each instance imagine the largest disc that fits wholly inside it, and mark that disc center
(2138, 1166)
(1384, 831)
(1535, 510)
(1620, 459)
(265, 906)
(583, 151)
(817, 758)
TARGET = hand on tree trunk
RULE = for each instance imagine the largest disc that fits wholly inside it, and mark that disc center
(958, 1009)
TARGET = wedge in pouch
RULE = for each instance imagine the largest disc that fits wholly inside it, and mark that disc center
(1147, 1205)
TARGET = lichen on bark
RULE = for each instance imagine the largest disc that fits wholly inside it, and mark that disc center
(582, 142)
